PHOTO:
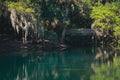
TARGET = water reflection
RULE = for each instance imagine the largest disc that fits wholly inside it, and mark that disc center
(52, 65)
(105, 53)
(72, 64)
(107, 71)
(107, 65)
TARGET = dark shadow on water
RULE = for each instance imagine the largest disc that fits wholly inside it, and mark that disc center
(30, 63)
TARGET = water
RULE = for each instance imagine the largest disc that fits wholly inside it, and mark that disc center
(32, 64)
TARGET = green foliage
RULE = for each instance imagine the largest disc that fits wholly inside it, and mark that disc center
(80, 12)
(51, 10)
(107, 16)
(50, 35)
(21, 6)
(80, 15)
(107, 71)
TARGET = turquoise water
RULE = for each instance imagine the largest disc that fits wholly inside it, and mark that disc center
(27, 64)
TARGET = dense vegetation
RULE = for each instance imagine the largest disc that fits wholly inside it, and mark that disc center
(41, 18)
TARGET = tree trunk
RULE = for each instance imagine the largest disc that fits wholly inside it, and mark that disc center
(64, 29)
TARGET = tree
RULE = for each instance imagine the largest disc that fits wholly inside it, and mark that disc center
(106, 17)
(24, 16)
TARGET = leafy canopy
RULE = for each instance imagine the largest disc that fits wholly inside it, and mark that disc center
(21, 6)
(107, 16)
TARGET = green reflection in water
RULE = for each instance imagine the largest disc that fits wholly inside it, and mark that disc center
(86, 63)
(107, 71)
(72, 64)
